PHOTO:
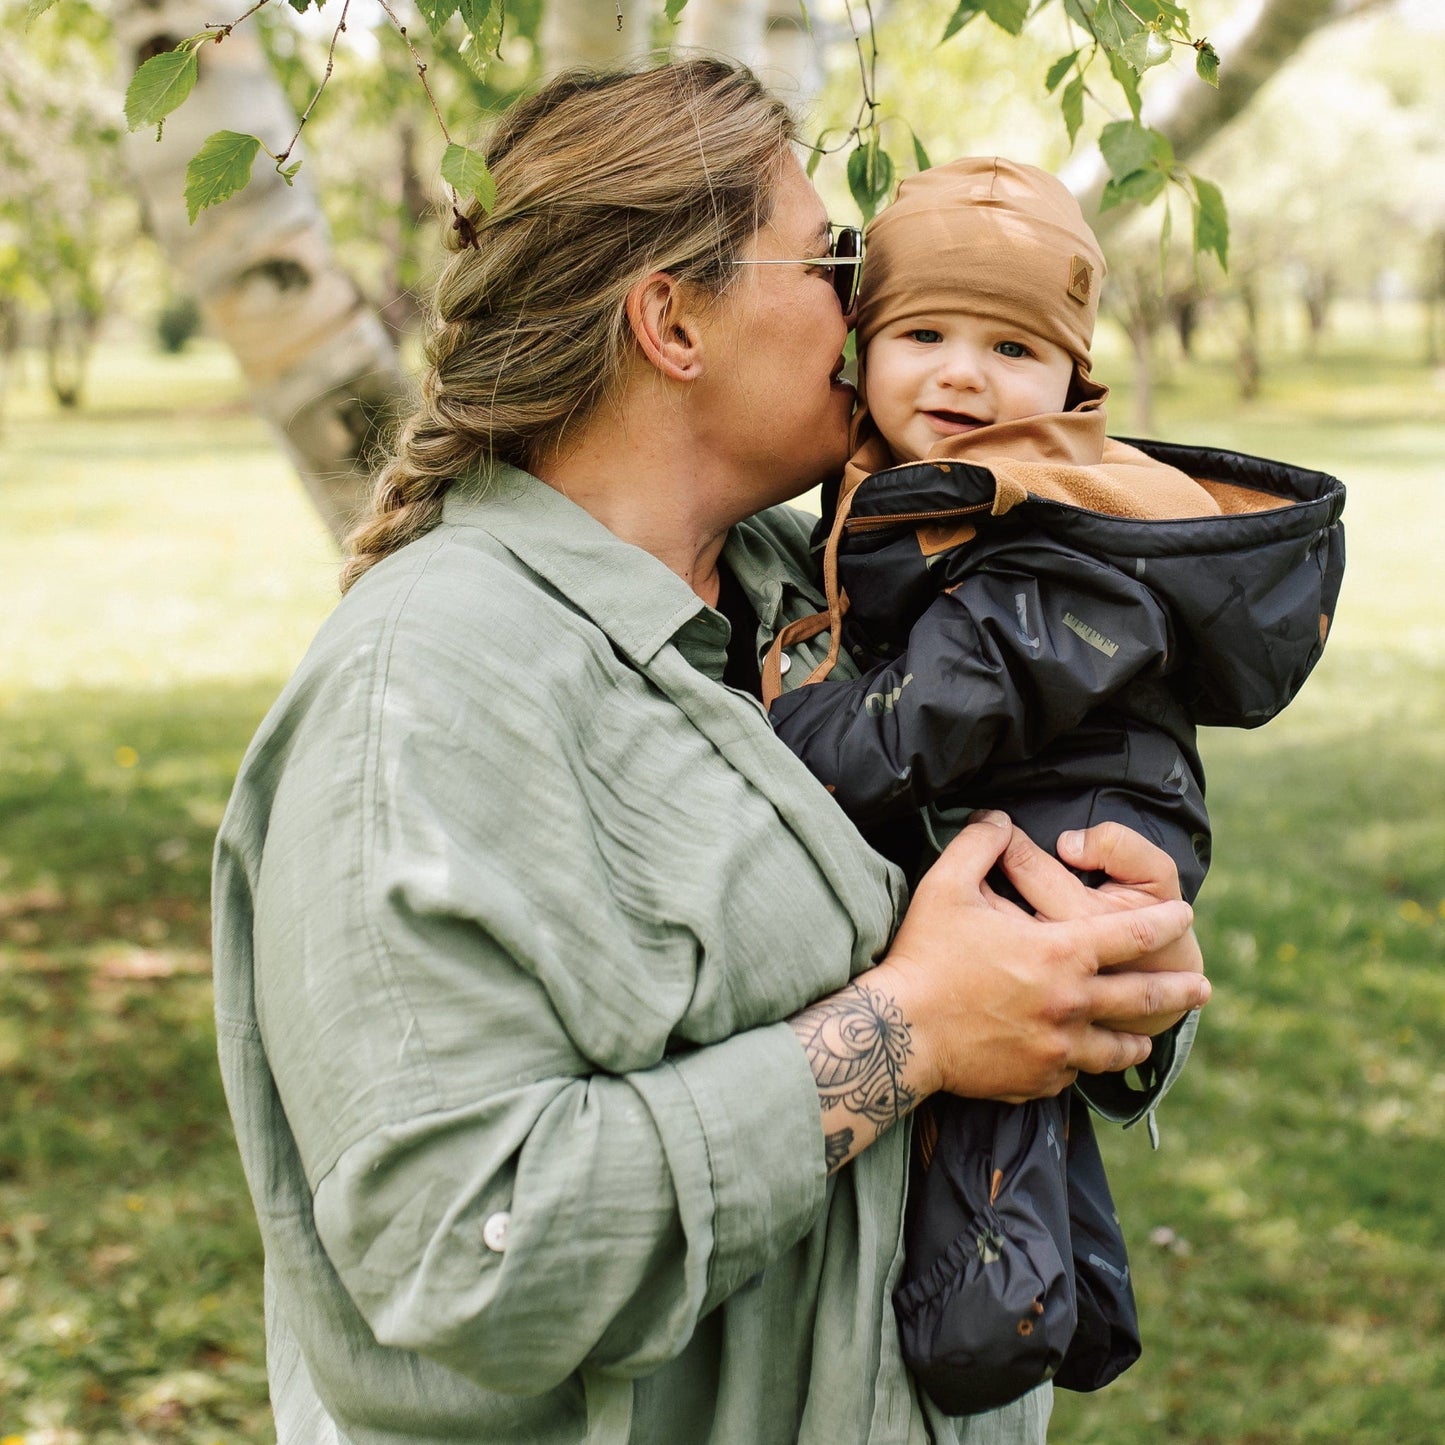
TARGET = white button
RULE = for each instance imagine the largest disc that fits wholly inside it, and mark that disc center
(494, 1231)
(784, 663)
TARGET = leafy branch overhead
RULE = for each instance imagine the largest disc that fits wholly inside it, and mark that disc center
(1116, 42)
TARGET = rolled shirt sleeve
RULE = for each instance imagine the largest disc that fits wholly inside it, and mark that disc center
(589, 1222)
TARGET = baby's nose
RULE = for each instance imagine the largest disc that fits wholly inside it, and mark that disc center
(961, 366)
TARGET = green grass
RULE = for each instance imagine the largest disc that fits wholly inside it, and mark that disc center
(163, 574)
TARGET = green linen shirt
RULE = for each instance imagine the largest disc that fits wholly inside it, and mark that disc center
(511, 900)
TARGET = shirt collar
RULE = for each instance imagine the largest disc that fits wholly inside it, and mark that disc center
(638, 601)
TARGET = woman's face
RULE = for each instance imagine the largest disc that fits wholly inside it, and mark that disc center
(774, 407)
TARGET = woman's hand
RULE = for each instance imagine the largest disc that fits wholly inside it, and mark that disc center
(980, 998)
(1139, 874)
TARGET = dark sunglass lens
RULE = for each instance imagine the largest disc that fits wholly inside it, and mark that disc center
(846, 246)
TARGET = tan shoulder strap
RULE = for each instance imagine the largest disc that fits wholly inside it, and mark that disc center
(808, 627)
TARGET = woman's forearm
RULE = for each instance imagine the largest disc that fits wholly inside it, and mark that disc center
(868, 1064)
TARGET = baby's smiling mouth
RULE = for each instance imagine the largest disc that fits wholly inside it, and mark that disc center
(954, 420)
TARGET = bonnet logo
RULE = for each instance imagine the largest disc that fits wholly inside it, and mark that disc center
(1081, 279)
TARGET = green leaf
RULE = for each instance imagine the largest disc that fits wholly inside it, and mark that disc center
(1128, 81)
(484, 20)
(436, 13)
(1072, 104)
(288, 173)
(159, 86)
(675, 9)
(1139, 161)
(465, 171)
(1211, 220)
(1147, 49)
(1206, 63)
(1058, 70)
(1168, 14)
(1141, 186)
(920, 155)
(967, 9)
(302, 6)
(219, 169)
(35, 9)
(1008, 15)
(870, 177)
(1113, 22)
(1128, 146)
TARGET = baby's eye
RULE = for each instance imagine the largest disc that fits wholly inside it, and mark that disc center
(1012, 349)
(924, 336)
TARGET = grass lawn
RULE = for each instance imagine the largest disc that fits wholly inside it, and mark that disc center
(163, 573)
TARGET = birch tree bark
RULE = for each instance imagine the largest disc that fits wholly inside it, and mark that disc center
(320, 364)
(586, 32)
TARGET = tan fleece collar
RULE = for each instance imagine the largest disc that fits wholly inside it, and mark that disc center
(1061, 457)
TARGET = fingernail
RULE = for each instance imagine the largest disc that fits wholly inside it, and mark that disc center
(990, 815)
(1070, 842)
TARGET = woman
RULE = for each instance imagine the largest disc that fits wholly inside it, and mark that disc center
(534, 946)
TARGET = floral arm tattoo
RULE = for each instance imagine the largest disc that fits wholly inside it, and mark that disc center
(858, 1044)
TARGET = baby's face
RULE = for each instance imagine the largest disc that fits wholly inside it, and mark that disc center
(926, 378)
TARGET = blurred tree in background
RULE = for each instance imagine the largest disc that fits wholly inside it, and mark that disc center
(1324, 150)
(68, 224)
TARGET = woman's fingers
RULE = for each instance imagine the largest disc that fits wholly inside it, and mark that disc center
(968, 859)
(1138, 994)
(1109, 939)
(1044, 883)
(1126, 856)
(1102, 1051)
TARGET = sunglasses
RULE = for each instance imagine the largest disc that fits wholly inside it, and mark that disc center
(844, 260)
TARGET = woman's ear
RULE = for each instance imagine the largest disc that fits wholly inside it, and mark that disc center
(666, 326)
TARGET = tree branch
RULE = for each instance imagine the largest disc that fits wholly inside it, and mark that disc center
(1261, 37)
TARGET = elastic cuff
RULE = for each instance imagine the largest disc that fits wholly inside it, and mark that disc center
(1114, 1098)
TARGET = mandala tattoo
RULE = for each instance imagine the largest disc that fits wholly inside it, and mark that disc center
(858, 1043)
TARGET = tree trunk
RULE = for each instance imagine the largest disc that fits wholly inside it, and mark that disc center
(1262, 36)
(769, 36)
(586, 32)
(1141, 338)
(9, 345)
(322, 369)
(1319, 291)
(1434, 295)
(1247, 369)
(1184, 312)
(69, 340)
(401, 307)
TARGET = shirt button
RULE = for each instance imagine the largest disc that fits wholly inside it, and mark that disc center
(494, 1231)
(784, 663)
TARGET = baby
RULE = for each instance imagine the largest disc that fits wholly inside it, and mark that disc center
(1042, 616)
